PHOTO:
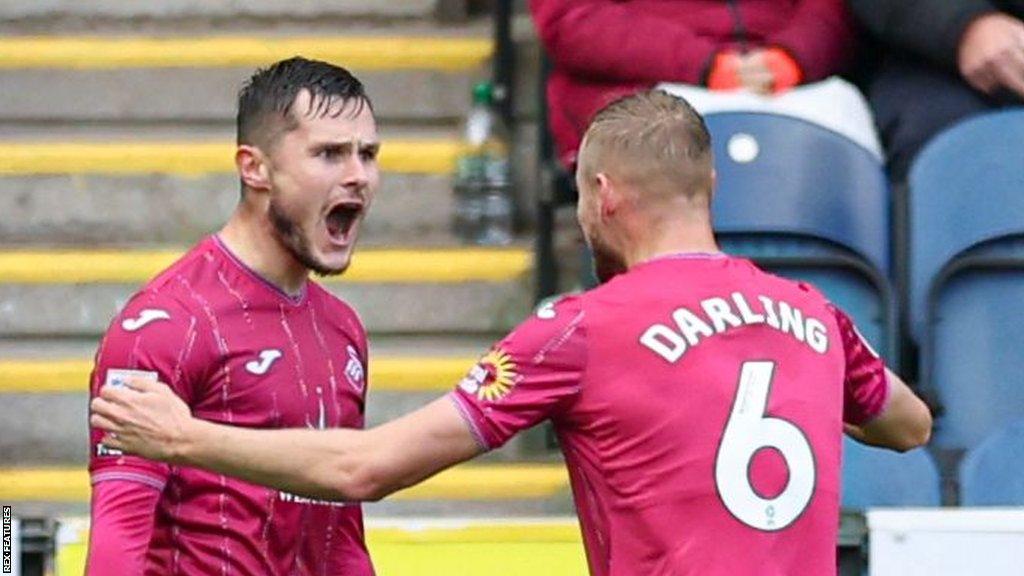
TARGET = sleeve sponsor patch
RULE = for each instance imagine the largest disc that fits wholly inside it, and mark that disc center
(119, 377)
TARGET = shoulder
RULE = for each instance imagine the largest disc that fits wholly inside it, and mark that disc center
(188, 268)
(152, 323)
(798, 290)
(556, 324)
(165, 310)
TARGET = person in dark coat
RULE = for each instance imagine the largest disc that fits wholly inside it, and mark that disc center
(942, 61)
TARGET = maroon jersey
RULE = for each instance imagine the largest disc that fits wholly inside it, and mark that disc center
(699, 403)
(240, 352)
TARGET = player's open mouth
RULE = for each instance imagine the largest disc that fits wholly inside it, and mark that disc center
(341, 220)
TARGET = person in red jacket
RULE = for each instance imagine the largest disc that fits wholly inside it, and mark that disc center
(605, 49)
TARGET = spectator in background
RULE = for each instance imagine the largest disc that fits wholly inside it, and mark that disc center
(604, 49)
(944, 60)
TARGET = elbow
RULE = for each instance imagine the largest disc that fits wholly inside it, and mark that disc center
(919, 435)
(361, 485)
(924, 429)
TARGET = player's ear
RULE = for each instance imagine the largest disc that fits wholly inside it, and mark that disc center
(607, 195)
(252, 167)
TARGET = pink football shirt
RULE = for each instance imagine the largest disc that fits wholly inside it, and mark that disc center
(699, 403)
(239, 352)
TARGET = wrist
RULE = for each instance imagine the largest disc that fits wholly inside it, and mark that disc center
(183, 449)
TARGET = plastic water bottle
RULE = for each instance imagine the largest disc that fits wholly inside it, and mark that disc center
(484, 211)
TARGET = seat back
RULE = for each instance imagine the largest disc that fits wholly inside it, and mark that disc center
(809, 204)
(992, 474)
(785, 176)
(966, 187)
(973, 360)
(874, 477)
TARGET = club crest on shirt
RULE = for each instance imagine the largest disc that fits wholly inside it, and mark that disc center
(354, 372)
(492, 378)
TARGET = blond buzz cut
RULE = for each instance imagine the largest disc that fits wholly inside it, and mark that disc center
(652, 141)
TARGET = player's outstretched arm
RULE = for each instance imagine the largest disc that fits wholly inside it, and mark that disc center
(341, 464)
(903, 424)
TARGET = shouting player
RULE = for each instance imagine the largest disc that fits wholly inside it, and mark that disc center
(700, 402)
(244, 338)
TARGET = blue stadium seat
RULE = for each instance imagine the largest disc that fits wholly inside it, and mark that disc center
(965, 188)
(967, 275)
(874, 477)
(810, 204)
(992, 474)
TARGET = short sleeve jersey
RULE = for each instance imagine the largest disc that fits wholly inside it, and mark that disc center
(239, 352)
(699, 403)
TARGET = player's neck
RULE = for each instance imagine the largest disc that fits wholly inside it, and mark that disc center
(676, 241)
(254, 244)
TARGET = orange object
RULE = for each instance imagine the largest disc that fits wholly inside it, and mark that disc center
(723, 72)
(784, 68)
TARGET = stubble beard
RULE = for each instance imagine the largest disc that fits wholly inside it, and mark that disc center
(607, 264)
(289, 234)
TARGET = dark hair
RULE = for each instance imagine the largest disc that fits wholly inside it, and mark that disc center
(265, 101)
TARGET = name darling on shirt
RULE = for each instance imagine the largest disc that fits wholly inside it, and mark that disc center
(671, 341)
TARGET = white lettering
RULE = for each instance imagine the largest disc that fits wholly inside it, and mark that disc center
(817, 336)
(745, 312)
(792, 321)
(672, 342)
(720, 314)
(769, 309)
(691, 326)
(661, 340)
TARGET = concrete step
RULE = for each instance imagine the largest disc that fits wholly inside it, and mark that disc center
(468, 482)
(25, 16)
(175, 191)
(521, 546)
(148, 209)
(51, 429)
(398, 291)
(430, 545)
(383, 346)
(411, 78)
(50, 377)
(389, 373)
(193, 157)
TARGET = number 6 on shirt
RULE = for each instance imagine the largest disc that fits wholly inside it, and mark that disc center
(750, 430)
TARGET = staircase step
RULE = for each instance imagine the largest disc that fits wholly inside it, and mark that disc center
(430, 545)
(47, 210)
(210, 95)
(379, 265)
(85, 310)
(47, 376)
(488, 482)
(190, 80)
(175, 190)
(192, 158)
(74, 14)
(390, 374)
(358, 53)
(61, 437)
(410, 291)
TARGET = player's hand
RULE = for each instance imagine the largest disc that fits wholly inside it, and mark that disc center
(144, 418)
(991, 54)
